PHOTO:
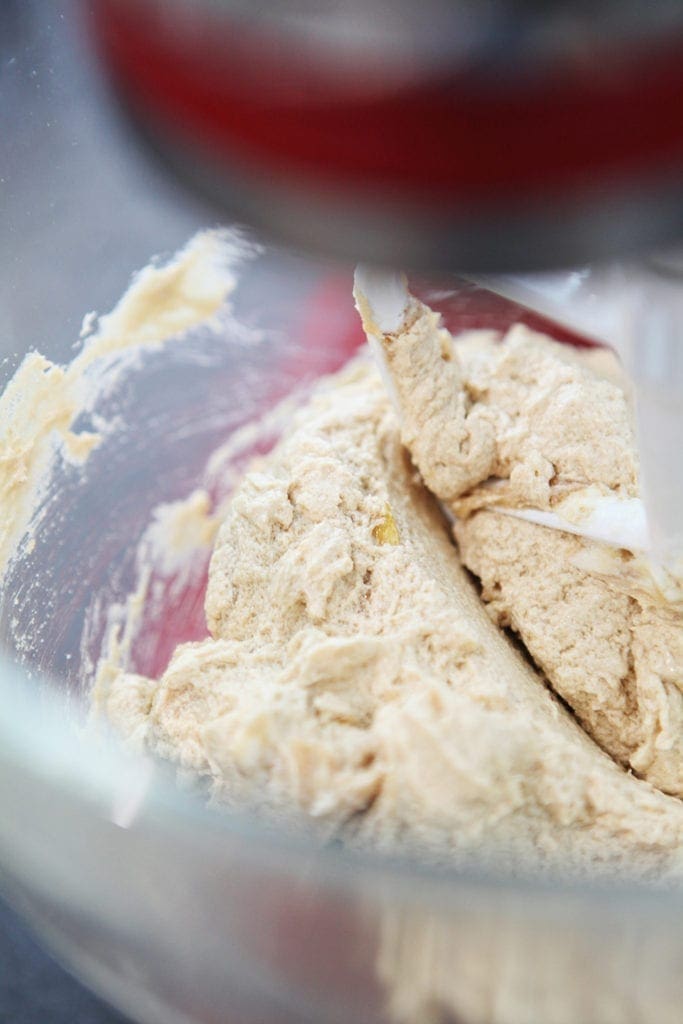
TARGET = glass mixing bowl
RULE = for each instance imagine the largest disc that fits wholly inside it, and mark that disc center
(173, 912)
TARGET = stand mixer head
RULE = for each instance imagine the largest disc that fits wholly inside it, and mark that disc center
(492, 139)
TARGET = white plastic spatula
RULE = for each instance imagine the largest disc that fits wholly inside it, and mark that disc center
(384, 303)
(637, 310)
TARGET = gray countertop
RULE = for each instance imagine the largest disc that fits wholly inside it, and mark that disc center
(35, 990)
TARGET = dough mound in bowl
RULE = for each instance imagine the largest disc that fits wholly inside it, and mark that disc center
(354, 683)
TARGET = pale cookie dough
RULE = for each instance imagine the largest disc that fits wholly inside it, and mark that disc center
(616, 658)
(355, 682)
(525, 422)
(519, 421)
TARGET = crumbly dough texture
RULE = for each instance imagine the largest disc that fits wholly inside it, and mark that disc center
(527, 422)
(520, 422)
(354, 681)
(617, 662)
